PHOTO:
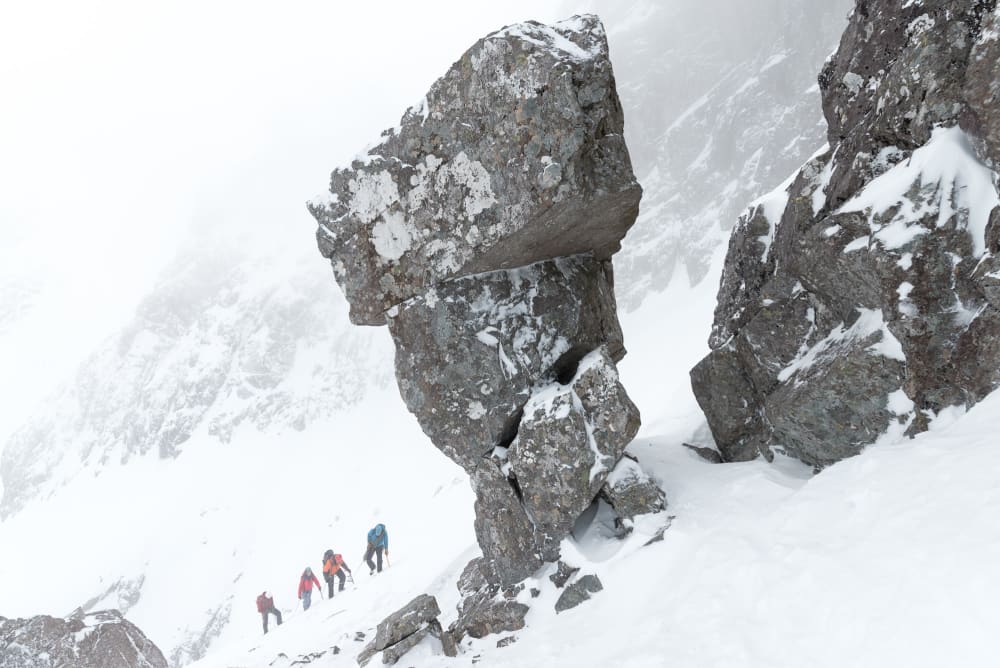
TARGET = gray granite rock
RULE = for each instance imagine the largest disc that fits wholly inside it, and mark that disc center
(860, 296)
(469, 351)
(631, 492)
(438, 198)
(406, 621)
(578, 592)
(564, 572)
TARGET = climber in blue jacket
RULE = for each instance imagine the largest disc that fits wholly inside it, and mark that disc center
(378, 542)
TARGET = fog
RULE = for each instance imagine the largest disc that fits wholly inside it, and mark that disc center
(132, 130)
(126, 126)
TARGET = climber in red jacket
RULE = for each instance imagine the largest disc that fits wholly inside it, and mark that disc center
(306, 583)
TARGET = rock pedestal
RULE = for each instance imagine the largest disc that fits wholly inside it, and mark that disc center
(481, 230)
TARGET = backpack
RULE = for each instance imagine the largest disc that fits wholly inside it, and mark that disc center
(264, 603)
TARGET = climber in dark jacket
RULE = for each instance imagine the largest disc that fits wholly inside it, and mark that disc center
(265, 606)
(378, 541)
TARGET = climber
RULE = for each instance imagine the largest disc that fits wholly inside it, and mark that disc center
(333, 565)
(378, 541)
(305, 587)
(265, 606)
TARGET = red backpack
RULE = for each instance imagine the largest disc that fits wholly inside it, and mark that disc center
(264, 603)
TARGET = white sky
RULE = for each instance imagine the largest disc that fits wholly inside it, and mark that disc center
(125, 123)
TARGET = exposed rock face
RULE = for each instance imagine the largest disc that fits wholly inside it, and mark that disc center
(485, 608)
(856, 297)
(481, 232)
(103, 639)
(469, 351)
(719, 110)
(516, 155)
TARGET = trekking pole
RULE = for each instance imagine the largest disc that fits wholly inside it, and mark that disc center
(387, 562)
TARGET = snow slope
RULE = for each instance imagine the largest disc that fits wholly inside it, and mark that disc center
(764, 564)
(889, 558)
(184, 545)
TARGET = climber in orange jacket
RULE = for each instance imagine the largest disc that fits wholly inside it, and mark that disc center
(334, 567)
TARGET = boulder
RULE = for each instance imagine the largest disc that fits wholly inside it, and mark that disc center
(564, 572)
(483, 615)
(103, 639)
(406, 621)
(631, 492)
(404, 629)
(437, 197)
(578, 592)
(569, 438)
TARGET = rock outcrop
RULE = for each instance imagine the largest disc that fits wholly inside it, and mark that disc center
(406, 628)
(485, 608)
(481, 231)
(856, 299)
(103, 639)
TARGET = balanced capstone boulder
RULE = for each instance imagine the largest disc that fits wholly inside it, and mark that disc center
(516, 155)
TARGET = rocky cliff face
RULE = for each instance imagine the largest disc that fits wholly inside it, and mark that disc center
(481, 230)
(104, 639)
(722, 106)
(860, 296)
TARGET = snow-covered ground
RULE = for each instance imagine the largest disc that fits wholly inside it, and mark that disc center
(889, 558)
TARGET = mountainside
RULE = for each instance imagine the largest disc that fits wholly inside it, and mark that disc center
(82, 641)
(891, 557)
(860, 297)
(240, 425)
(225, 341)
(719, 110)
